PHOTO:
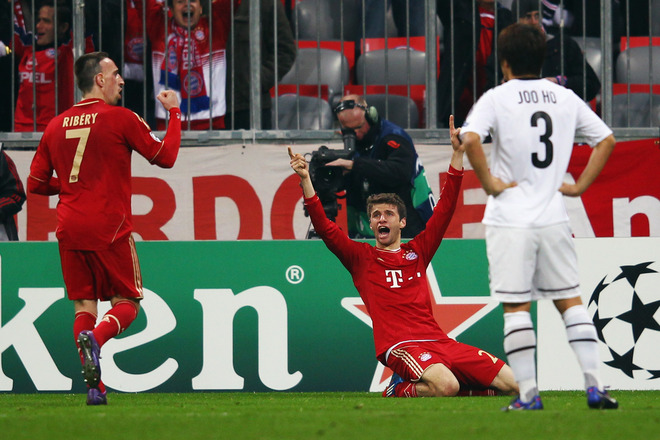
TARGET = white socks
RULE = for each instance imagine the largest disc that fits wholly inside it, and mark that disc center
(583, 339)
(520, 349)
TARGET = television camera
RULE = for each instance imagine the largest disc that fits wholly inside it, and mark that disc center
(329, 180)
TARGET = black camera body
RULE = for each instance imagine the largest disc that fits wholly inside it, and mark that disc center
(329, 180)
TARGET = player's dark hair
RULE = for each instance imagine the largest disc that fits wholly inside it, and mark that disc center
(86, 68)
(389, 199)
(523, 47)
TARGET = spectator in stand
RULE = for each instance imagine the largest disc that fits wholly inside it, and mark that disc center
(408, 17)
(571, 75)
(40, 68)
(473, 25)
(238, 62)
(582, 17)
(6, 71)
(184, 64)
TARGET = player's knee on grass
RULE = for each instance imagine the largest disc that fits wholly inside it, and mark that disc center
(440, 382)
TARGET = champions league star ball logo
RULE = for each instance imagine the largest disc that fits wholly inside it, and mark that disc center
(627, 318)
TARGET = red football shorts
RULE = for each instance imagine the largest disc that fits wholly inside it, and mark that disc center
(473, 367)
(103, 274)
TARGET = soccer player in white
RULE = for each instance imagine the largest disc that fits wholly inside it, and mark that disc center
(531, 254)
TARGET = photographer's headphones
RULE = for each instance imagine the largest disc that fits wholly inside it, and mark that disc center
(370, 113)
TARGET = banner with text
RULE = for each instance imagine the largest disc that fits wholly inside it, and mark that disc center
(249, 192)
(284, 315)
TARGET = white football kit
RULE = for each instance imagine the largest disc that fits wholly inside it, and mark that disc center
(533, 124)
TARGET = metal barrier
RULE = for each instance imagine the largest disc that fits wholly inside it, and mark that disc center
(627, 63)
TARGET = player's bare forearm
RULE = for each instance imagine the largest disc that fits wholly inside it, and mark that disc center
(457, 160)
(477, 158)
(597, 161)
(475, 153)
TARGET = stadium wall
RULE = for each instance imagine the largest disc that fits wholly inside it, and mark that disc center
(249, 192)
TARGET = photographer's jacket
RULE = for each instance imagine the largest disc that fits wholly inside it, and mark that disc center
(388, 166)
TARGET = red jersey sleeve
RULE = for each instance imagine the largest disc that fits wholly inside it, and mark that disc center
(428, 241)
(41, 179)
(162, 153)
(334, 238)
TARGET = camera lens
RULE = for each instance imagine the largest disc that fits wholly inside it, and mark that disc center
(348, 136)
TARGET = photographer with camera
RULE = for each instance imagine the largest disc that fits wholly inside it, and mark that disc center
(384, 160)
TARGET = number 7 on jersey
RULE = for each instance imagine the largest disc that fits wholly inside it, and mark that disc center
(81, 134)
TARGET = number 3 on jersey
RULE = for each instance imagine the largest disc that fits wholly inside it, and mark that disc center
(82, 134)
(545, 139)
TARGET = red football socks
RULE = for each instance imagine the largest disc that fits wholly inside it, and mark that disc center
(406, 389)
(115, 321)
(83, 321)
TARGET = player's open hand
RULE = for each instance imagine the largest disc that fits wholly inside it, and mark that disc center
(454, 135)
(299, 164)
(497, 186)
(570, 190)
(168, 99)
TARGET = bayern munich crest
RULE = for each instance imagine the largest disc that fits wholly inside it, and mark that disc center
(410, 256)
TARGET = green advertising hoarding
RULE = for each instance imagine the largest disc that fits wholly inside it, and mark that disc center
(239, 315)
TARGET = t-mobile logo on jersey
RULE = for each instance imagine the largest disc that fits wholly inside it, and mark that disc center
(394, 277)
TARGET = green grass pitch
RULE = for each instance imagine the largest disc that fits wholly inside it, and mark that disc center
(343, 416)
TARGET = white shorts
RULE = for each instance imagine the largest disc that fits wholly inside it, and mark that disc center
(531, 264)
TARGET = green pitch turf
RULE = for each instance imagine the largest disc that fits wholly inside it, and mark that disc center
(343, 416)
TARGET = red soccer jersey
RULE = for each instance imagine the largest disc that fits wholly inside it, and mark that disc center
(89, 147)
(393, 284)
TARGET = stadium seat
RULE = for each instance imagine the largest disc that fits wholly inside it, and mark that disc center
(322, 19)
(345, 47)
(392, 66)
(592, 52)
(643, 110)
(320, 66)
(295, 112)
(633, 65)
(398, 109)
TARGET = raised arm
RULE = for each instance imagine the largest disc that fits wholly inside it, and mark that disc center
(169, 150)
(459, 149)
(300, 166)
